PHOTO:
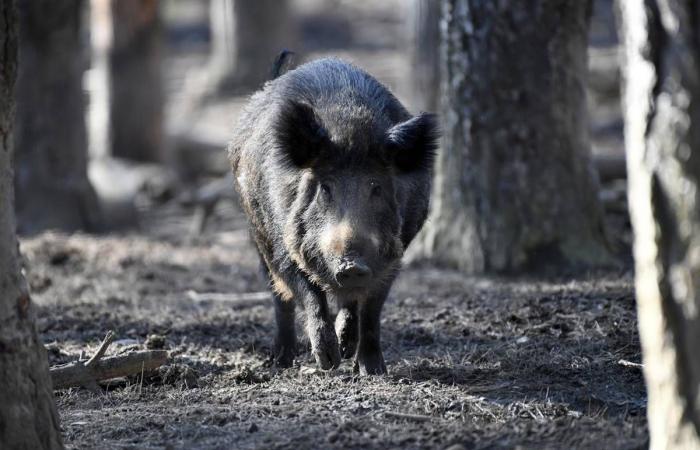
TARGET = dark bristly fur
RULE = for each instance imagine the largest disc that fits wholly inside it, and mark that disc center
(334, 175)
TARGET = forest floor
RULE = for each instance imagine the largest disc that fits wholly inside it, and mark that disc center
(473, 362)
(476, 362)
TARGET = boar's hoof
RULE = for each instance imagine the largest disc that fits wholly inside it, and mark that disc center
(370, 364)
(325, 349)
(346, 330)
(327, 359)
(347, 347)
(284, 357)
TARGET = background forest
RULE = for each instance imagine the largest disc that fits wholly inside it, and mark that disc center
(514, 322)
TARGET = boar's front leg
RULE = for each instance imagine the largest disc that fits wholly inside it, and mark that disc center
(346, 329)
(369, 359)
(324, 343)
(286, 339)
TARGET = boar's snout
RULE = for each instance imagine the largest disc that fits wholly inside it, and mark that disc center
(352, 273)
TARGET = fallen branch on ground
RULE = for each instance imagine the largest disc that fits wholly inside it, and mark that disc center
(88, 373)
(634, 365)
(410, 417)
(243, 300)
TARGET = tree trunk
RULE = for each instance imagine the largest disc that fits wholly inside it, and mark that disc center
(98, 79)
(662, 131)
(514, 185)
(28, 417)
(246, 38)
(52, 187)
(424, 23)
(136, 85)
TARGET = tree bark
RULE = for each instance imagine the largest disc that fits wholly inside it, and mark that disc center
(28, 417)
(661, 75)
(52, 187)
(136, 85)
(246, 38)
(514, 185)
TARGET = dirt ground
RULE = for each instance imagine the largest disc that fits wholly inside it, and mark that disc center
(476, 362)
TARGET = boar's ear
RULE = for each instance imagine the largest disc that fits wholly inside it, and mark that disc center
(412, 144)
(299, 133)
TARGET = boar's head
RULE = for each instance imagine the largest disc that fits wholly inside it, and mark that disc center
(344, 228)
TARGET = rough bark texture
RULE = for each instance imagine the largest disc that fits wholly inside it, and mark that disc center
(136, 86)
(246, 38)
(28, 418)
(52, 187)
(424, 22)
(514, 185)
(662, 133)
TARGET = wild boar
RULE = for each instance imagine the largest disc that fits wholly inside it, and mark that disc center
(334, 175)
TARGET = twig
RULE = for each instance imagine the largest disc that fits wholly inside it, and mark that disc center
(411, 417)
(634, 365)
(101, 350)
(141, 383)
(246, 299)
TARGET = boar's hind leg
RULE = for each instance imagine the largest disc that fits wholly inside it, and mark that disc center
(346, 329)
(369, 359)
(286, 339)
(324, 343)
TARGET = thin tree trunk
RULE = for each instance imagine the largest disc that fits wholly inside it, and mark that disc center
(136, 85)
(661, 76)
(98, 79)
(424, 23)
(28, 417)
(246, 37)
(52, 187)
(514, 185)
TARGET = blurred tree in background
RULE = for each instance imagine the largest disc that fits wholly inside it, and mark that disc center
(51, 181)
(246, 37)
(28, 418)
(424, 29)
(135, 81)
(662, 133)
(514, 186)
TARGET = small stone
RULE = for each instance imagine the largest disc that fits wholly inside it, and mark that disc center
(456, 447)
(155, 342)
(179, 375)
(523, 340)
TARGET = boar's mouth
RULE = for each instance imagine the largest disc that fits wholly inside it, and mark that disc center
(349, 279)
(352, 273)
(370, 283)
(319, 272)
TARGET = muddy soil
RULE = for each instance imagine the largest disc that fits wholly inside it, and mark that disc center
(473, 362)
(476, 362)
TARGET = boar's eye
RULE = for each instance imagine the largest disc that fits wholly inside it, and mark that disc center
(326, 192)
(376, 190)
